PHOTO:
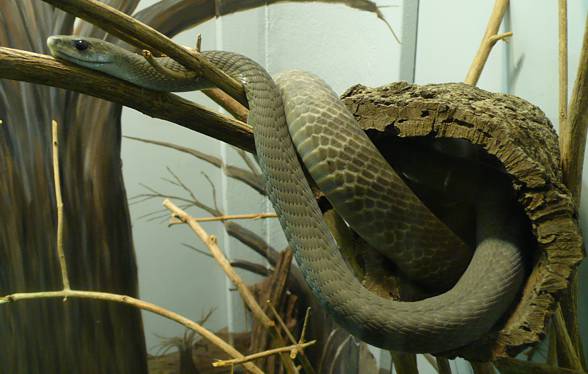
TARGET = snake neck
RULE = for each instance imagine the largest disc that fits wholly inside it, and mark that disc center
(134, 68)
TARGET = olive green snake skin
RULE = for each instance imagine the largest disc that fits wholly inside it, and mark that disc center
(371, 197)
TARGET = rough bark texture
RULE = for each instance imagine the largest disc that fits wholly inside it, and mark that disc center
(523, 140)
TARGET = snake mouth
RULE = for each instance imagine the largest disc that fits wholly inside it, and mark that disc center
(77, 60)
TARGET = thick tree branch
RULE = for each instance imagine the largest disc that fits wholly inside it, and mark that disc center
(573, 130)
(37, 68)
(573, 136)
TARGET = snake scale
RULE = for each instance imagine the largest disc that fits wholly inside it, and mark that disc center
(371, 197)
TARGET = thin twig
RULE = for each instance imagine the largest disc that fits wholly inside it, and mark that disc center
(144, 305)
(497, 37)
(174, 74)
(281, 322)
(59, 204)
(198, 250)
(488, 40)
(181, 184)
(251, 164)
(212, 245)
(250, 177)
(252, 216)
(213, 191)
(304, 325)
(255, 356)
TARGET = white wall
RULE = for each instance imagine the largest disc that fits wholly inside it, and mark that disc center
(344, 46)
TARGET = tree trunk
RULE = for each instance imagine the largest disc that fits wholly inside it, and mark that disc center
(53, 336)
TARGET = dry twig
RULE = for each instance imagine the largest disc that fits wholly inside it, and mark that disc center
(252, 216)
(165, 70)
(249, 177)
(255, 356)
(488, 40)
(212, 245)
(59, 205)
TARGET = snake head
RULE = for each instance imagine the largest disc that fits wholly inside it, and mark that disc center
(88, 52)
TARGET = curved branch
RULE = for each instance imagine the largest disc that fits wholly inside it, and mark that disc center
(42, 69)
(175, 16)
(138, 303)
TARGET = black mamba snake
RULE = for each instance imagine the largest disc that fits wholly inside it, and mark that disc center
(365, 191)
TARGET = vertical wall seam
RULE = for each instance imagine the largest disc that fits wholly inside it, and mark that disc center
(409, 38)
(223, 148)
(508, 63)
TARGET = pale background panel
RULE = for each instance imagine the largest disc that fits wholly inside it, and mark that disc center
(344, 46)
(449, 33)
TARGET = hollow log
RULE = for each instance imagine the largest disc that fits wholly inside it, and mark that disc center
(522, 139)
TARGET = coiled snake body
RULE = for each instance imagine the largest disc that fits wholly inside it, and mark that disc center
(387, 214)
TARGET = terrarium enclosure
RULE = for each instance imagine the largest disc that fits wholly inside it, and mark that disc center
(137, 235)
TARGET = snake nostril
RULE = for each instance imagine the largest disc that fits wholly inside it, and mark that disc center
(81, 45)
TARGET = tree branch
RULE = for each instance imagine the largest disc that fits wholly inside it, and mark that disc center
(573, 136)
(490, 38)
(138, 34)
(59, 204)
(211, 243)
(572, 148)
(144, 305)
(248, 177)
(37, 68)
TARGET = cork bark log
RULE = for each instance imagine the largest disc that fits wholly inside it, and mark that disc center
(523, 140)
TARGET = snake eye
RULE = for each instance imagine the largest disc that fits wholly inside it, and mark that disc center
(81, 45)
